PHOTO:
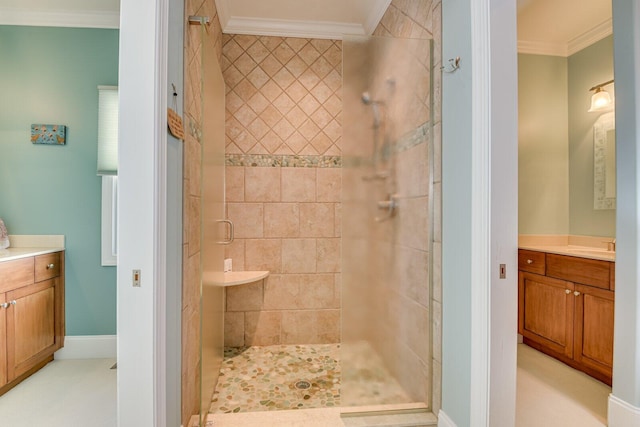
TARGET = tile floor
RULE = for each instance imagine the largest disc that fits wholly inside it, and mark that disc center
(266, 378)
(551, 394)
(65, 393)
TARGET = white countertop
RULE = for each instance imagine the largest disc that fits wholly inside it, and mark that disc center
(233, 278)
(23, 246)
(574, 250)
(10, 254)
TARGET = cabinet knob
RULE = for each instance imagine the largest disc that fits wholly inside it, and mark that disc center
(50, 266)
(4, 305)
(13, 302)
(529, 261)
(576, 293)
(567, 291)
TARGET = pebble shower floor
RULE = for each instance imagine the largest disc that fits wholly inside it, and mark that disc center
(264, 379)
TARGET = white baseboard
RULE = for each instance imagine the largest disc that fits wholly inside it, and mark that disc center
(88, 347)
(622, 414)
(444, 420)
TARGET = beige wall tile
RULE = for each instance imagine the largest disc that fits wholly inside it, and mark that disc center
(413, 171)
(437, 330)
(437, 271)
(299, 255)
(310, 326)
(234, 183)
(329, 184)
(194, 225)
(338, 220)
(256, 77)
(235, 251)
(317, 220)
(300, 291)
(262, 184)
(262, 328)
(247, 219)
(247, 297)
(412, 272)
(281, 220)
(413, 223)
(328, 255)
(263, 254)
(437, 212)
(234, 329)
(298, 185)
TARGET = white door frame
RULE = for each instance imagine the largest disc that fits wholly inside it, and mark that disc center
(479, 213)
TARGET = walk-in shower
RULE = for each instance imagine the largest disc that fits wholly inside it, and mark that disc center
(382, 355)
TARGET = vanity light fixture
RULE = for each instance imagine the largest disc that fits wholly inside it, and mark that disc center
(601, 99)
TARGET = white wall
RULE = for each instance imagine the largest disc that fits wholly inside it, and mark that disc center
(626, 350)
(138, 217)
(504, 213)
(479, 213)
(456, 213)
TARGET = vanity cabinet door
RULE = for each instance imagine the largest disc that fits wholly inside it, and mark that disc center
(546, 311)
(594, 329)
(31, 331)
(3, 341)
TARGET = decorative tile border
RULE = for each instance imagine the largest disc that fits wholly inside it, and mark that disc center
(411, 139)
(416, 137)
(290, 161)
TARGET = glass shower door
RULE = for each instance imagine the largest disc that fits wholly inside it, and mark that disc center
(387, 210)
(212, 229)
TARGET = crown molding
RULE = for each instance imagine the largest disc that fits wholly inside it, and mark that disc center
(290, 28)
(296, 28)
(375, 16)
(542, 48)
(222, 7)
(574, 45)
(48, 18)
(595, 34)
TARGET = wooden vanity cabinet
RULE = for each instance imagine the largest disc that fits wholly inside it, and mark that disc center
(564, 317)
(31, 318)
(546, 306)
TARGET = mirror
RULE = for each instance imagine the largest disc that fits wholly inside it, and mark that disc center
(604, 162)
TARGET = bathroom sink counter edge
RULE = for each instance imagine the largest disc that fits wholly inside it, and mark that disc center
(573, 250)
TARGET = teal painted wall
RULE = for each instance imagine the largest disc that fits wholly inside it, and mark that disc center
(456, 214)
(50, 75)
(543, 145)
(590, 66)
(555, 141)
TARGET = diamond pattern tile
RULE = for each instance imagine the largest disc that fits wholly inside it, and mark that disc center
(283, 95)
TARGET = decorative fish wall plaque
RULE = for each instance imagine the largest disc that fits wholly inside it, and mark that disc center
(49, 134)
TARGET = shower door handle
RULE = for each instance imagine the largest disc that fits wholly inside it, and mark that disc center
(231, 232)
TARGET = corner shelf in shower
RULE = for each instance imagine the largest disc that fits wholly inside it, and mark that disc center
(233, 278)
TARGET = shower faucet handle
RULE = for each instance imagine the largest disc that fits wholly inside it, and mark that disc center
(390, 205)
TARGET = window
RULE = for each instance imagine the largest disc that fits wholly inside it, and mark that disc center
(109, 220)
(108, 169)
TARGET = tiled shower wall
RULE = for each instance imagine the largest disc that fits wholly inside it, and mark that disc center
(423, 19)
(283, 185)
(191, 200)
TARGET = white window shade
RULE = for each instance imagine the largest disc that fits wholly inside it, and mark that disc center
(107, 130)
